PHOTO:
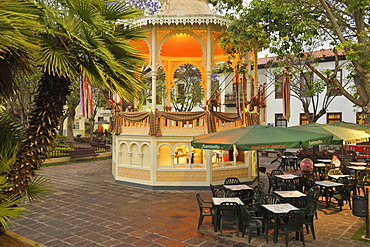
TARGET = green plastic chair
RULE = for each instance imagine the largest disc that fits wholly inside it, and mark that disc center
(229, 212)
(293, 222)
(205, 209)
(250, 222)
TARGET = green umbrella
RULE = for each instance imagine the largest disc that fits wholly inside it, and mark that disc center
(340, 135)
(348, 125)
(259, 137)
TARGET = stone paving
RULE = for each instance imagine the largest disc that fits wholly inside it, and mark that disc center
(86, 208)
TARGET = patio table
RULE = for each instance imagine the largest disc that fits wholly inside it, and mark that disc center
(358, 163)
(276, 210)
(339, 176)
(217, 202)
(238, 187)
(357, 169)
(326, 185)
(320, 168)
(327, 161)
(287, 176)
(291, 194)
(285, 160)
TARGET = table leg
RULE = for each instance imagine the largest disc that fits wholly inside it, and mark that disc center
(327, 196)
(276, 228)
(216, 220)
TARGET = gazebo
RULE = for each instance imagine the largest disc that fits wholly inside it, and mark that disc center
(152, 148)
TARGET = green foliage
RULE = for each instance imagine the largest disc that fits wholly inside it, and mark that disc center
(38, 188)
(187, 93)
(293, 28)
(85, 37)
(10, 139)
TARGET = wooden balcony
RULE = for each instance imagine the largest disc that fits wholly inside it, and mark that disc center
(172, 123)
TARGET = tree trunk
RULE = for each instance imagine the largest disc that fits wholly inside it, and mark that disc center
(44, 119)
(61, 124)
(71, 112)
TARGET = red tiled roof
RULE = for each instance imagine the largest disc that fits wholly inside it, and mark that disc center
(317, 54)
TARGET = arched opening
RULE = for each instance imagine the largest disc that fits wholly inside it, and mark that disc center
(164, 158)
(181, 154)
(187, 93)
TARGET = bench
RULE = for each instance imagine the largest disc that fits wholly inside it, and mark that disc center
(81, 153)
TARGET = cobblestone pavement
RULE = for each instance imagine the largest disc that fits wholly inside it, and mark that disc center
(87, 208)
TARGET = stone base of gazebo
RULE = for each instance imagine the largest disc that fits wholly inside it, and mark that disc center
(169, 162)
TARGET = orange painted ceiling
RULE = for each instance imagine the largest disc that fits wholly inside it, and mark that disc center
(179, 45)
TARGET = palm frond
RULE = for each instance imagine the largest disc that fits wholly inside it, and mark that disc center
(39, 188)
(10, 139)
(9, 209)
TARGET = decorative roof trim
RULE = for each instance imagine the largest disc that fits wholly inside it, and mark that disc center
(177, 20)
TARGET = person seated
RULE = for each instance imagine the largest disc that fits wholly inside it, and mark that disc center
(335, 161)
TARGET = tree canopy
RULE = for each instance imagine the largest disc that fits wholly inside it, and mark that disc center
(292, 29)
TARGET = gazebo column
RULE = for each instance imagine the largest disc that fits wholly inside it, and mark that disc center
(154, 68)
(249, 82)
(209, 63)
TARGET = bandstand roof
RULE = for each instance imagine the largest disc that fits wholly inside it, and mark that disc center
(183, 12)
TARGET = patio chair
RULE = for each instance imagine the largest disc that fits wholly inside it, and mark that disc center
(314, 193)
(231, 181)
(273, 185)
(310, 211)
(251, 222)
(360, 182)
(246, 196)
(268, 216)
(344, 195)
(293, 222)
(333, 172)
(277, 172)
(214, 190)
(229, 213)
(302, 202)
(205, 209)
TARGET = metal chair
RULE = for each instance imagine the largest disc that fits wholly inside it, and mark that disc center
(204, 210)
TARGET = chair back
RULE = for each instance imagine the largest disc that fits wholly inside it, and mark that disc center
(231, 181)
(224, 193)
(270, 199)
(258, 193)
(311, 208)
(247, 218)
(343, 180)
(199, 200)
(229, 211)
(277, 172)
(314, 192)
(214, 190)
(246, 196)
(334, 172)
(302, 202)
(294, 220)
(290, 154)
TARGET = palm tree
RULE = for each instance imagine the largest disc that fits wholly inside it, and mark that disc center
(78, 37)
(16, 39)
(10, 139)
